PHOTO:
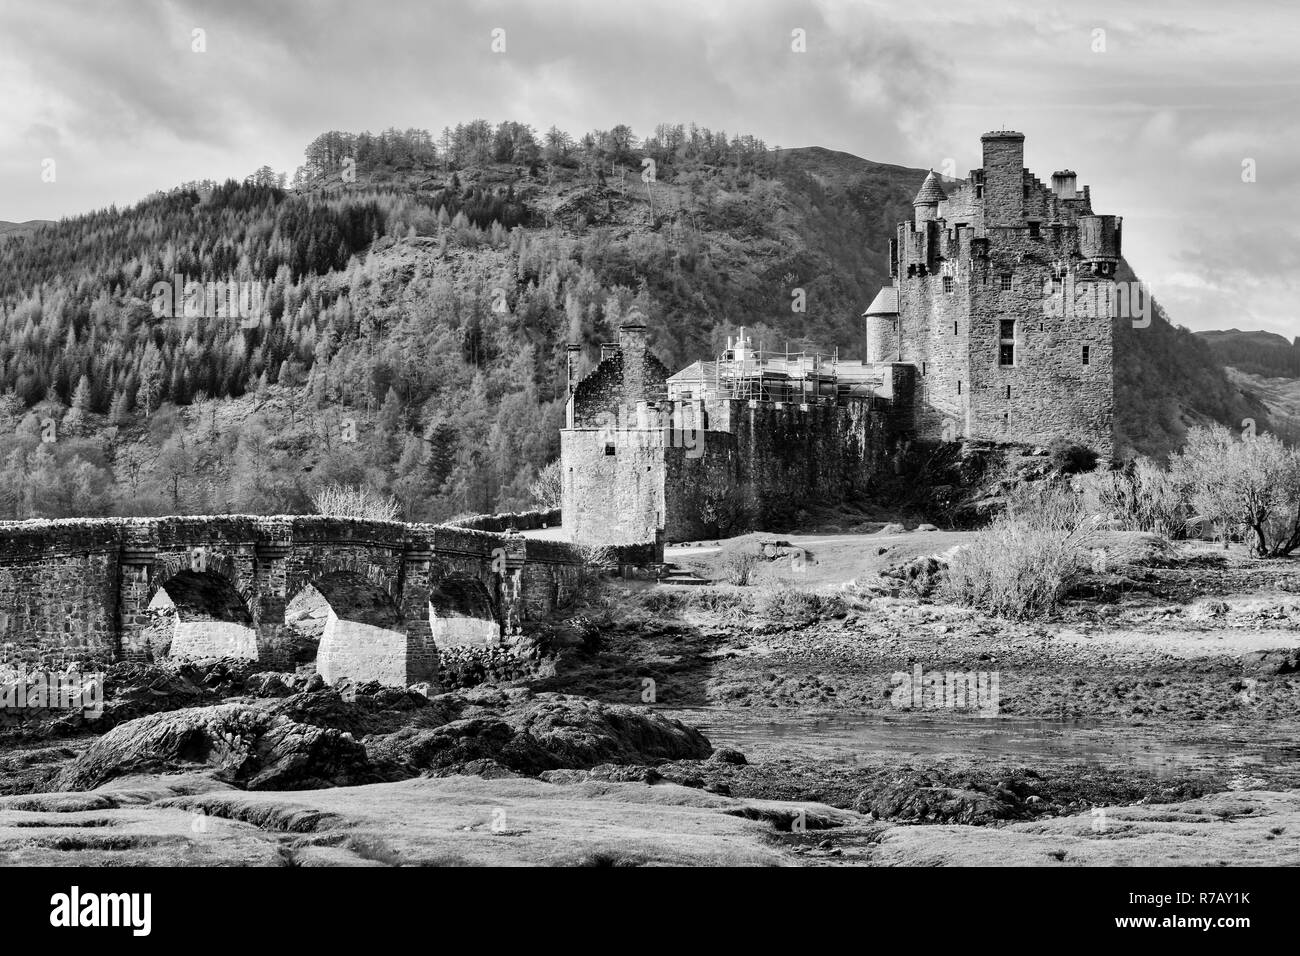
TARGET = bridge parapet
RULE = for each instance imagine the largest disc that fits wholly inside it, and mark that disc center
(83, 588)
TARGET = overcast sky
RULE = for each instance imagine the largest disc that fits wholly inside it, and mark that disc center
(1157, 114)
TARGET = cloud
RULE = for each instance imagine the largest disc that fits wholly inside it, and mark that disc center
(1157, 123)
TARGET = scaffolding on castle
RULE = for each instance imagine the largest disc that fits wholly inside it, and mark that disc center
(747, 374)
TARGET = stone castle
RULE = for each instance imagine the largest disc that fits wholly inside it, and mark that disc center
(997, 326)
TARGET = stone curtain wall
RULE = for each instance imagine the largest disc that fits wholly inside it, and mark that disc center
(752, 465)
(80, 589)
(511, 521)
(774, 461)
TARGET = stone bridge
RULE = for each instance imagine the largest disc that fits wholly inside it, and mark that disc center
(368, 600)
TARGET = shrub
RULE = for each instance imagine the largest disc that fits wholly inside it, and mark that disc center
(345, 501)
(594, 562)
(547, 486)
(791, 605)
(739, 568)
(1070, 458)
(1027, 560)
(1141, 496)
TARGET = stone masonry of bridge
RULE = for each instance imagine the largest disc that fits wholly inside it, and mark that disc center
(80, 589)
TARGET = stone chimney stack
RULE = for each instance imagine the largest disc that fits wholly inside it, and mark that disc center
(634, 345)
(633, 337)
(1065, 183)
(1004, 177)
(573, 353)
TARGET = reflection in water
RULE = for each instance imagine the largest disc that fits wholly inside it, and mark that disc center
(875, 739)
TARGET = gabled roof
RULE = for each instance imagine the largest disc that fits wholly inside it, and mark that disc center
(695, 372)
(931, 191)
(885, 302)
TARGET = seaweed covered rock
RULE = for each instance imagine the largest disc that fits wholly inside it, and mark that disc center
(244, 745)
(532, 734)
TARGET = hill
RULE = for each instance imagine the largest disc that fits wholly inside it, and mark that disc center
(1168, 379)
(417, 303)
(13, 229)
(1264, 354)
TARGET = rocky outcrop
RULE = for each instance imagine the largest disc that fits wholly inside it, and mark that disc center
(531, 734)
(310, 738)
(242, 744)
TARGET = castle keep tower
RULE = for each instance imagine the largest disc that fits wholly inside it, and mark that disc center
(1002, 301)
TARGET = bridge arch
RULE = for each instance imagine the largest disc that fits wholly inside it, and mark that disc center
(462, 613)
(362, 633)
(201, 613)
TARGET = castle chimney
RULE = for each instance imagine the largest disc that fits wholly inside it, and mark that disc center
(633, 337)
(1004, 177)
(573, 353)
(632, 342)
(1065, 183)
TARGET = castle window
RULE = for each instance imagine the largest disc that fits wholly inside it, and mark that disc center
(1004, 282)
(922, 368)
(947, 283)
(1033, 230)
(1086, 355)
(1008, 391)
(1007, 345)
(609, 450)
(958, 386)
(979, 190)
(954, 327)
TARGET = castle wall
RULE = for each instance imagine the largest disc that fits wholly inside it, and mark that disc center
(1049, 392)
(613, 485)
(756, 463)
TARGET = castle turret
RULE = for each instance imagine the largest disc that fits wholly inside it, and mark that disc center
(882, 326)
(928, 198)
(1099, 243)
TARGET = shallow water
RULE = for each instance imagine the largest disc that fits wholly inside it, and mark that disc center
(874, 739)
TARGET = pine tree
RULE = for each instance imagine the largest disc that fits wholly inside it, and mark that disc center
(119, 412)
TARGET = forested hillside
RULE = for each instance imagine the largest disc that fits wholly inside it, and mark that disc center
(418, 294)
(1259, 353)
(1167, 379)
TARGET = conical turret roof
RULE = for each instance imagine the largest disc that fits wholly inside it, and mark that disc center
(931, 191)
